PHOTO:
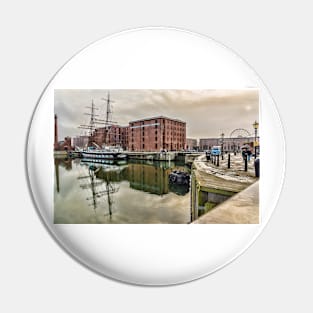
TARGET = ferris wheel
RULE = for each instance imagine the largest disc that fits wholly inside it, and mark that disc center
(240, 133)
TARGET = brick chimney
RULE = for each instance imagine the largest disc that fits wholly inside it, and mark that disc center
(56, 140)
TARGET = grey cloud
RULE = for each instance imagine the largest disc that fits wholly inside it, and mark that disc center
(206, 112)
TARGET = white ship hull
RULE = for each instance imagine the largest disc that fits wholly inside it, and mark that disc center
(103, 154)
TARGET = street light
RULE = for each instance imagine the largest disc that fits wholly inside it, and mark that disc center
(255, 126)
(222, 136)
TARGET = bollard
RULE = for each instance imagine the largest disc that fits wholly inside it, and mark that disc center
(257, 167)
(246, 163)
(218, 160)
(228, 164)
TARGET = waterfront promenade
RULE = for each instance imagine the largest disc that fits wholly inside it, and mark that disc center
(236, 169)
(228, 196)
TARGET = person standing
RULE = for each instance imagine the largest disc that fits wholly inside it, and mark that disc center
(249, 154)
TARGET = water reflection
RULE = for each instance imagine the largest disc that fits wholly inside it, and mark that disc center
(149, 178)
(99, 188)
(137, 192)
(179, 189)
(66, 163)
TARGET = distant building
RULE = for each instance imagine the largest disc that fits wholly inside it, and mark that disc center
(150, 134)
(98, 137)
(157, 133)
(65, 145)
(113, 135)
(229, 144)
(81, 141)
(191, 144)
(124, 139)
(118, 136)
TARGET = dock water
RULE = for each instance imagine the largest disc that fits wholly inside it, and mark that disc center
(216, 195)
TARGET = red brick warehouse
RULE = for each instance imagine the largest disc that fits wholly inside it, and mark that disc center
(157, 133)
(111, 136)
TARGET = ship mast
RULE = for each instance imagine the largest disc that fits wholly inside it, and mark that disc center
(108, 120)
(93, 120)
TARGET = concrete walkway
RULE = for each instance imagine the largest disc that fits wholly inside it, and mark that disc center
(242, 208)
(236, 170)
(220, 177)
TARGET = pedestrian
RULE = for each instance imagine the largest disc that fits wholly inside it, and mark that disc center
(249, 154)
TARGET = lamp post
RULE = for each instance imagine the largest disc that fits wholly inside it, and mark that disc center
(222, 136)
(255, 126)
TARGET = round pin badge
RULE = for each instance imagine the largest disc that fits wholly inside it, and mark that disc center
(155, 156)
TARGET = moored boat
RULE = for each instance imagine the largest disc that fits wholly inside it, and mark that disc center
(107, 153)
(179, 177)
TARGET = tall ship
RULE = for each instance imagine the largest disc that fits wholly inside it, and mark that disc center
(94, 152)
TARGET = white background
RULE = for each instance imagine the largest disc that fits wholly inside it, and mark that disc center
(274, 274)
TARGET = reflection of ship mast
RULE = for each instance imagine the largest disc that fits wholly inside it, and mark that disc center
(94, 183)
(109, 190)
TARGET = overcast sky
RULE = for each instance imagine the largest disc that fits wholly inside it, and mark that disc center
(207, 113)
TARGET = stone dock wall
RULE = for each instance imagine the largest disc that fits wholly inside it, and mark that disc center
(163, 156)
(242, 208)
(218, 197)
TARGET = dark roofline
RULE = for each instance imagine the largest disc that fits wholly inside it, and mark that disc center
(156, 117)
